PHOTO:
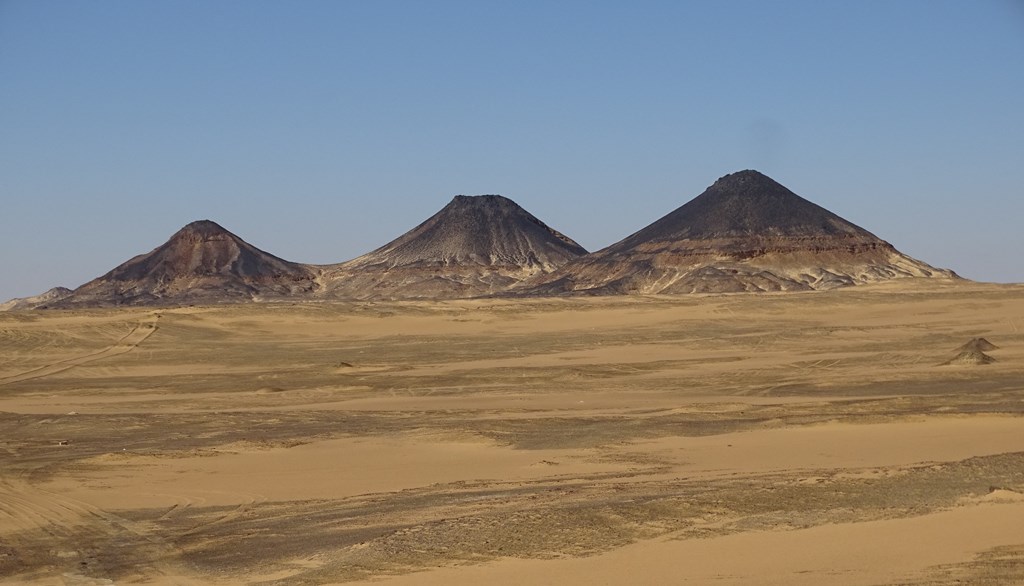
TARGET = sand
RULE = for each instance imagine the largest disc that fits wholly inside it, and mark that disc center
(770, 439)
(867, 553)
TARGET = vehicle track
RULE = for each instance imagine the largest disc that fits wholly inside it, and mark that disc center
(126, 344)
(77, 532)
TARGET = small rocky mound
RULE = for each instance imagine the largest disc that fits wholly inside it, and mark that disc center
(201, 263)
(979, 345)
(970, 358)
(475, 246)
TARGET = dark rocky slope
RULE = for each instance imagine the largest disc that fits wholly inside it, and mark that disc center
(474, 246)
(744, 233)
(201, 263)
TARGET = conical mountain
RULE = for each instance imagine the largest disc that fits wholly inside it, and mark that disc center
(475, 246)
(201, 263)
(746, 232)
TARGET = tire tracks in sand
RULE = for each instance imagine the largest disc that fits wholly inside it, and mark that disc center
(127, 343)
(84, 541)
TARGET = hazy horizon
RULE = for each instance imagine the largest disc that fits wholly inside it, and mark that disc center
(318, 131)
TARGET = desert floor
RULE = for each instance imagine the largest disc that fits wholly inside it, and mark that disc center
(768, 439)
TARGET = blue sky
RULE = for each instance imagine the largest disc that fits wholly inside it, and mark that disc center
(321, 130)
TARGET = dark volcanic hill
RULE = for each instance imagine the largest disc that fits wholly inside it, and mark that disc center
(474, 246)
(744, 233)
(201, 263)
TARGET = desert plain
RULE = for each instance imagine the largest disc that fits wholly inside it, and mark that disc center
(794, 438)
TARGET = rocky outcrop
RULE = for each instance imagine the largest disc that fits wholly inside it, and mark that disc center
(973, 353)
(969, 358)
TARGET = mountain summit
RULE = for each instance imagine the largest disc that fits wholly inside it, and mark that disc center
(476, 245)
(746, 232)
(746, 205)
(202, 262)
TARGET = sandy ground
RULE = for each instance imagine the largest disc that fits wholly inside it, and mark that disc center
(868, 553)
(773, 439)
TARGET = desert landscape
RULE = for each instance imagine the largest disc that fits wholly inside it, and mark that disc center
(511, 293)
(844, 436)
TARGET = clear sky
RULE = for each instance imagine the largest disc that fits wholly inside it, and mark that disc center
(320, 130)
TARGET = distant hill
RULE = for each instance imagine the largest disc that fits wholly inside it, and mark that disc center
(201, 263)
(474, 246)
(35, 301)
(746, 232)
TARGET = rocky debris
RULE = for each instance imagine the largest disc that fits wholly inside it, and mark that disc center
(973, 353)
(970, 358)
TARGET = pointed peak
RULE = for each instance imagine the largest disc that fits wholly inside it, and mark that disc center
(749, 203)
(482, 197)
(203, 228)
(745, 175)
(481, 209)
(475, 231)
(201, 261)
(201, 231)
(749, 183)
(488, 201)
(745, 214)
